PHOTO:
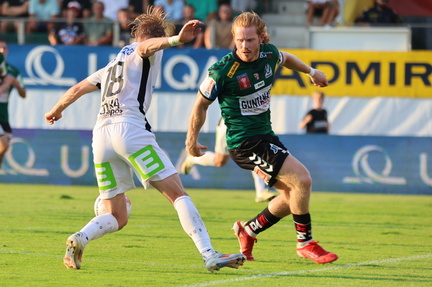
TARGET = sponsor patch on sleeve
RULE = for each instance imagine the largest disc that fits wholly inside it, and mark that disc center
(207, 88)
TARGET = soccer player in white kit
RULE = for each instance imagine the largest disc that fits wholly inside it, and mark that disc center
(123, 141)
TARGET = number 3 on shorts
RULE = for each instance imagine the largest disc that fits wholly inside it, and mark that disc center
(147, 162)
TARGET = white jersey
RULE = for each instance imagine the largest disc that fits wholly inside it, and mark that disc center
(127, 84)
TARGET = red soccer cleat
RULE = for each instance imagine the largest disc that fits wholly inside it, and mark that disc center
(316, 253)
(245, 240)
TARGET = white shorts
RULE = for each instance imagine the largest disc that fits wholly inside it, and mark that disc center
(221, 144)
(119, 149)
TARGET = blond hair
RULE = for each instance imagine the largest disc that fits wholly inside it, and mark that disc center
(318, 94)
(248, 19)
(152, 24)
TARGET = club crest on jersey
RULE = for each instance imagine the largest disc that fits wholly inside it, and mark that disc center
(268, 55)
(256, 76)
(268, 71)
(243, 81)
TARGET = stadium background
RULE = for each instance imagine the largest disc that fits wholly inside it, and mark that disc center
(378, 102)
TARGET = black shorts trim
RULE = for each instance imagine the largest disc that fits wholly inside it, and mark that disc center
(264, 154)
(6, 127)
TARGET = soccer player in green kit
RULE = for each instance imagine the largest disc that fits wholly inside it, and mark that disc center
(241, 82)
(9, 78)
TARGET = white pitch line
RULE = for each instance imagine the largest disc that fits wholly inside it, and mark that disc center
(240, 279)
(114, 261)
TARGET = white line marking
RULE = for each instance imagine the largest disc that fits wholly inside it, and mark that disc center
(202, 267)
(240, 279)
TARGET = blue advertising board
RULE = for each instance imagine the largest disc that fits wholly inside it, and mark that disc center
(364, 164)
(59, 67)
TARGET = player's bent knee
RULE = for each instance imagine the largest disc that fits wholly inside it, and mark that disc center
(306, 182)
(122, 222)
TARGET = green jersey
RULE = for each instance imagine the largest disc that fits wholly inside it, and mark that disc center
(243, 92)
(4, 98)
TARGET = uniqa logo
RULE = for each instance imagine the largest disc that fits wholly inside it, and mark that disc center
(365, 173)
(27, 160)
(37, 72)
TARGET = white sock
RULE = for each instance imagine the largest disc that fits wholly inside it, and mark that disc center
(206, 160)
(99, 226)
(250, 232)
(193, 225)
(260, 186)
(303, 244)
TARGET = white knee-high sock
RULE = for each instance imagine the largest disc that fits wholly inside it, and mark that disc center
(193, 225)
(99, 226)
(206, 160)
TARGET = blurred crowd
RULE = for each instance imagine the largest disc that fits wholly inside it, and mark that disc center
(327, 13)
(92, 22)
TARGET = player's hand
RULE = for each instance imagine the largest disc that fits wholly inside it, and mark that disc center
(319, 79)
(195, 149)
(190, 30)
(51, 117)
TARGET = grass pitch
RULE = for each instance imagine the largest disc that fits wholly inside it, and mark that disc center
(381, 240)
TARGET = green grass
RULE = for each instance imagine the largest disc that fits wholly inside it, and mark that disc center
(381, 240)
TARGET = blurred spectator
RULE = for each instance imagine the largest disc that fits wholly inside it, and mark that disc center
(41, 15)
(98, 28)
(137, 7)
(86, 8)
(316, 121)
(13, 9)
(189, 14)
(205, 10)
(172, 8)
(326, 10)
(239, 6)
(218, 32)
(70, 32)
(124, 19)
(112, 7)
(380, 14)
(146, 4)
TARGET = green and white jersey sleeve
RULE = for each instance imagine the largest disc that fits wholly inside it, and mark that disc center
(14, 72)
(3, 68)
(243, 92)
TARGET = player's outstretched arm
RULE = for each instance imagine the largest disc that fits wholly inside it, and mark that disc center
(71, 95)
(150, 46)
(318, 78)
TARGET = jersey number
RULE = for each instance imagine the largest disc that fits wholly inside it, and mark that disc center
(114, 80)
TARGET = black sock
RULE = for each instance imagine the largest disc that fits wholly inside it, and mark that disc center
(262, 221)
(303, 226)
